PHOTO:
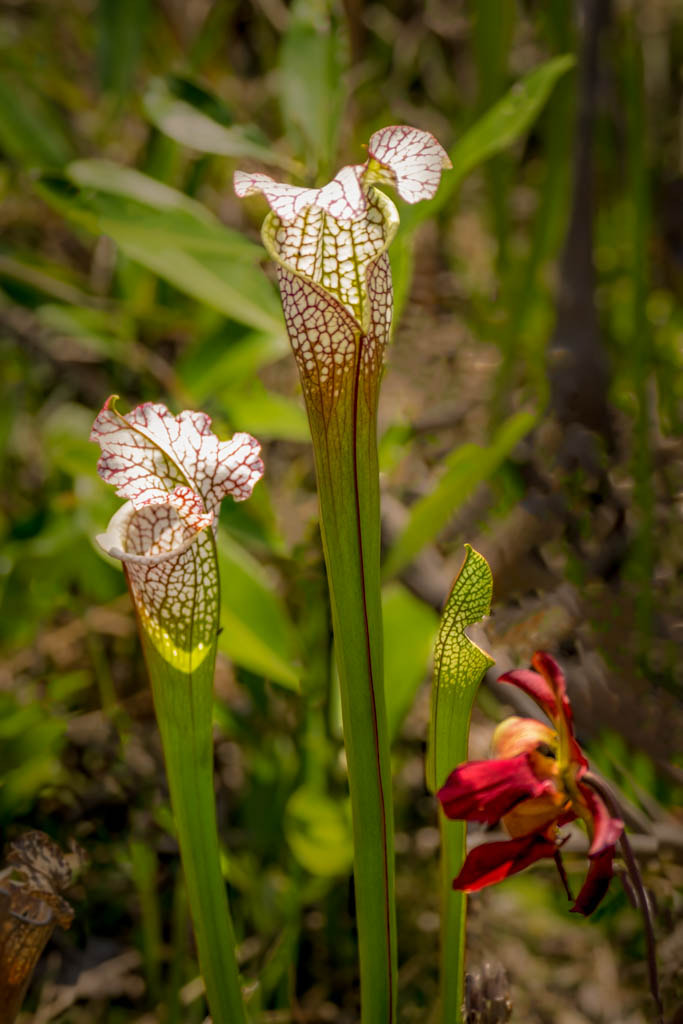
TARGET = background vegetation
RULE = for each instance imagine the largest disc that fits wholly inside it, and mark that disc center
(531, 406)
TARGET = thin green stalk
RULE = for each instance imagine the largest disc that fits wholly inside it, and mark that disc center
(183, 703)
(453, 921)
(348, 486)
(144, 870)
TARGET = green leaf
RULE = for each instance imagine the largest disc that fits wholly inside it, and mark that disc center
(311, 79)
(184, 123)
(220, 364)
(498, 128)
(31, 737)
(409, 629)
(46, 278)
(466, 468)
(30, 129)
(459, 667)
(266, 414)
(170, 234)
(318, 831)
(121, 31)
(503, 124)
(114, 179)
(257, 632)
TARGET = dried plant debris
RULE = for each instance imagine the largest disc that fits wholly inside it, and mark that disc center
(31, 906)
(487, 995)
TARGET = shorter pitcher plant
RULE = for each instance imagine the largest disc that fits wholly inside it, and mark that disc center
(175, 472)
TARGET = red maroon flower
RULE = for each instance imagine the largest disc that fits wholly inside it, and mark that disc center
(533, 786)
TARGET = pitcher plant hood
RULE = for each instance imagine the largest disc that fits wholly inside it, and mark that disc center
(330, 249)
(533, 787)
(174, 472)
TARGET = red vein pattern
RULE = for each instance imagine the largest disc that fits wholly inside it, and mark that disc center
(148, 452)
(174, 472)
(330, 248)
(413, 159)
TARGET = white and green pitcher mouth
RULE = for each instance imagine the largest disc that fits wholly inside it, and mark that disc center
(175, 473)
(335, 254)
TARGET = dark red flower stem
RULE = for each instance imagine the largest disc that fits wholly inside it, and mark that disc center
(563, 876)
(605, 791)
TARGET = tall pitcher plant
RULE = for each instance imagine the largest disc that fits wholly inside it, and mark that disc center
(329, 246)
(175, 472)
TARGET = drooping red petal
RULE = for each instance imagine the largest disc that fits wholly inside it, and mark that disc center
(596, 884)
(547, 688)
(492, 862)
(553, 674)
(536, 687)
(605, 830)
(486, 790)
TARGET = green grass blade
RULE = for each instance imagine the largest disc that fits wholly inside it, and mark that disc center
(168, 233)
(522, 342)
(494, 25)
(30, 130)
(505, 122)
(184, 123)
(459, 666)
(121, 25)
(312, 83)
(144, 867)
(467, 467)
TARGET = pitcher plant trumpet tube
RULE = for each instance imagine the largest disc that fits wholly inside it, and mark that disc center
(329, 246)
(175, 472)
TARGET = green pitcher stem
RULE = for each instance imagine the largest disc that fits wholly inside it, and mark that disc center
(459, 666)
(183, 704)
(453, 921)
(348, 485)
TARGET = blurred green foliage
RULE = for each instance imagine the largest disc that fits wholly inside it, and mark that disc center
(127, 266)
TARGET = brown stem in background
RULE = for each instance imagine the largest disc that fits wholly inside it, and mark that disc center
(578, 366)
(563, 876)
(604, 790)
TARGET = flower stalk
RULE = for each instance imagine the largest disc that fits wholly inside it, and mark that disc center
(534, 786)
(605, 792)
(329, 246)
(175, 473)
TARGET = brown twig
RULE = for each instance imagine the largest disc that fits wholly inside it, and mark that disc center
(605, 791)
